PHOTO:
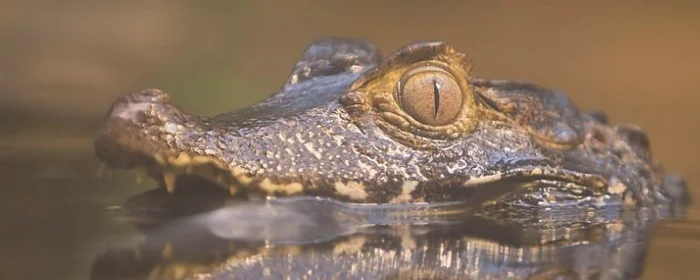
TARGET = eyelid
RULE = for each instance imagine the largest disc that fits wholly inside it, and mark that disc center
(421, 69)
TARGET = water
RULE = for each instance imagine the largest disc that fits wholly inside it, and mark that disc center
(60, 221)
(66, 62)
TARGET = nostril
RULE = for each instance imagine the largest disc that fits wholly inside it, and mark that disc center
(149, 96)
(138, 104)
(128, 110)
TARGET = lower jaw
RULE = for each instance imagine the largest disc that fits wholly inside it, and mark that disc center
(185, 176)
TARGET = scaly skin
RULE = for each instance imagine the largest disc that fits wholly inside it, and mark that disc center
(353, 128)
(340, 128)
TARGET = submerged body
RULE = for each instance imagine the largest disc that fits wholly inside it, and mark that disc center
(414, 128)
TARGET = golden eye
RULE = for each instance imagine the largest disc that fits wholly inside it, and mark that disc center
(430, 95)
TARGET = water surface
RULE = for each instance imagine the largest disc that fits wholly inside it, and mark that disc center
(77, 227)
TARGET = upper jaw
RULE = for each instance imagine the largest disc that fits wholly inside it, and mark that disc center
(132, 134)
(144, 130)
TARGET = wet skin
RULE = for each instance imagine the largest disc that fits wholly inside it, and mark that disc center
(412, 128)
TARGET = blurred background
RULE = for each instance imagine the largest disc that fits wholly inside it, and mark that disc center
(62, 63)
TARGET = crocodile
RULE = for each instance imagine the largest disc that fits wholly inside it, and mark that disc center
(398, 168)
(414, 128)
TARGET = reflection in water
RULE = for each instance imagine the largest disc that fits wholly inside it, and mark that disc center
(310, 238)
(304, 220)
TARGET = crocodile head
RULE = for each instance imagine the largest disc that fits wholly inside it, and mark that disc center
(412, 128)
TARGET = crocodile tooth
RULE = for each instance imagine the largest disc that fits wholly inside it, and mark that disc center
(232, 190)
(101, 171)
(104, 172)
(169, 180)
(140, 172)
(167, 251)
(160, 159)
(137, 254)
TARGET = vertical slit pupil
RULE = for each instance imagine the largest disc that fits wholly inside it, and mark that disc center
(436, 97)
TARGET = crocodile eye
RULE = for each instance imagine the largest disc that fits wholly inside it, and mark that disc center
(430, 95)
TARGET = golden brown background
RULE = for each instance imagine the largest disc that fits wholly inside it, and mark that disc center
(63, 62)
